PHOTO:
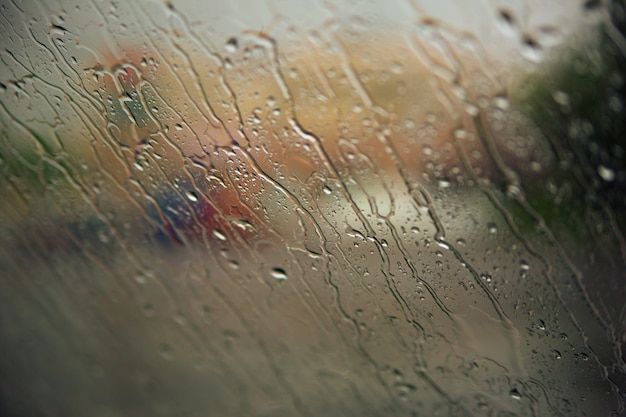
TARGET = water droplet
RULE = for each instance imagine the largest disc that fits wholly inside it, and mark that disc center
(471, 109)
(513, 190)
(219, 234)
(541, 325)
(279, 274)
(397, 68)
(524, 265)
(442, 244)
(103, 236)
(486, 277)
(507, 17)
(181, 320)
(606, 173)
(556, 354)
(515, 394)
(492, 227)
(242, 224)
(501, 102)
(166, 352)
(460, 134)
(531, 49)
(592, 4)
(231, 45)
(148, 310)
(327, 190)
(561, 97)
(191, 195)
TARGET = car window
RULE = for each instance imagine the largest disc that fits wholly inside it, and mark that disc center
(293, 208)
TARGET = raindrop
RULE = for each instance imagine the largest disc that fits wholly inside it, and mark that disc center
(515, 394)
(513, 190)
(561, 97)
(191, 195)
(493, 229)
(279, 274)
(140, 279)
(404, 389)
(219, 234)
(606, 173)
(242, 224)
(501, 102)
(231, 45)
(397, 68)
(444, 183)
(471, 109)
(507, 17)
(616, 104)
(181, 320)
(166, 352)
(103, 236)
(460, 134)
(592, 4)
(327, 190)
(486, 277)
(148, 310)
(530, 42)
(556, 354)
(442, 244)
(541, 325)
(531, 49)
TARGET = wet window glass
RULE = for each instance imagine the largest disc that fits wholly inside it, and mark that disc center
(294, 208)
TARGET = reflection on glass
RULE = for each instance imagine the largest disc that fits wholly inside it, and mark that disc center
(269, 209)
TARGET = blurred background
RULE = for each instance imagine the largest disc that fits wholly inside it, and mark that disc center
(288, 208)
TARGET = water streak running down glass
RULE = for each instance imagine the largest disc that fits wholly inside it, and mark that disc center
(290, 208)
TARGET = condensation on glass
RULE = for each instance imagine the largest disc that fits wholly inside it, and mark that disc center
(292, 208)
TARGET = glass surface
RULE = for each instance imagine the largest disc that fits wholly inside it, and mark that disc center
(312, 208)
